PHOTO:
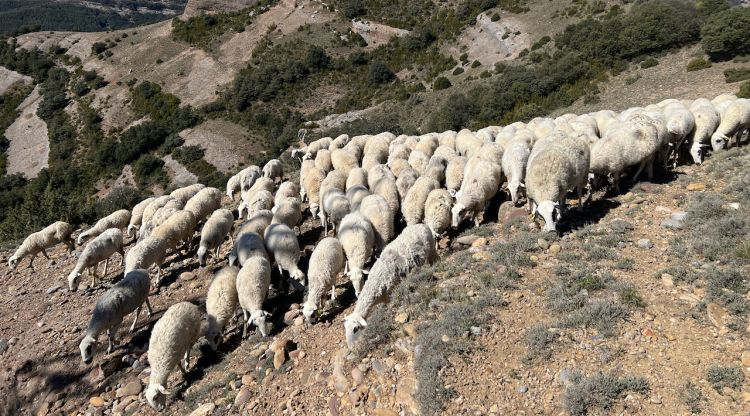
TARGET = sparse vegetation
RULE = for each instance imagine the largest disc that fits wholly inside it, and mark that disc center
(649, 62)
(599, 391)
(721, 377)
(697, 64)
(692, 396)
(736, 74)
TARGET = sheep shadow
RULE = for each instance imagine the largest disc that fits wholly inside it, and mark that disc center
(575, 218)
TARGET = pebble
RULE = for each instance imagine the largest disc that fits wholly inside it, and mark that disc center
(53, 289)
(175, 285)
(667, 280)
(522, 389)
(645, 243)
(534, 258)
(3, 345)
(696, 186)
(187, 276)
(555, 248)
(278, 359)
(131, 388)
(717, 315)
(410, 330)
(242, 397)
(401, 318)
(670, 223)
(655, 400)
(96, 401)
(542, 243)
(203, 410)
(248, 379)
(289, 316)
(745, 358)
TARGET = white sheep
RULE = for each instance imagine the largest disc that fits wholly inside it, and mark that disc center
(248, 244)
(206, 201)
(154, 206)
(40, 241)
(334, 208)
(445, 152)
(314, 147)
(339, 142)
(467, 143)
(288, 211)
(355, 148)
(126, 296)
(734, 121)
(418, 161)
(261, 200)
(248, 177)
(97, 250)
(387, 189)
(311, 183)
(136, 215)
(149, 252)
(282, 244)
(344, 161)
(185, 193)
(253, 281)
(435, 169)
(405, 181)
(413, 206)
(117, 219)
(398, 151)
(355, 195)
(234, 185)
(514, 161)
(221, 304)
(287, 189)
(552, 171)
(375, 208)
(178, 228)
(273, 170)
(454, 174)
(680, 123)
(399, 166)
(447, 138)
(378, 172)
(171, 340)
(326, 262)
(323, 160)
(707, 120)
(257, 222)
(437, 211)
(358, 240)
(357, 176)
(482, 178)
(414, 247)
(160, 216)
(214, 232)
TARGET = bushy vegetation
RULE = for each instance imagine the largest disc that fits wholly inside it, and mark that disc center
(201, 31)
(649, 62)
(724, 34)
(697, 64)
(736, 74)
(600, 391)
(192, 158)
(744, 91)
(729, 376)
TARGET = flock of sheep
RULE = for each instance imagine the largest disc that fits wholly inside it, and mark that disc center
(363, 189)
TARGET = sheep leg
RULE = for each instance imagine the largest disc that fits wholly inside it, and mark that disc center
(638, 172)
(579, 191)
(106, 263)
(245, 322)
(333, 292)
(185, 362)
(149, 311)
(93, 276)
(122, 257)
(111, 337)
(137, 312)
(31, 263)
(650, 169)
(44, 252)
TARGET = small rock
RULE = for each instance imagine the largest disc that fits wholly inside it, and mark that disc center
(97, 401)
(289, 316)
(494, 408)
(734, 205)
(655, 400)
(522, 389)
(467, 240)
(745, 396)
(248, 379)
(745, 358)
(40, 324)
(203, 410)
(645, 243)
(508, 212)
(479, 242)
(13, 341)
(534, 258)
(187, 276)
(670, 223)
(696, 186)
(53, 289)
(357, 376)
(717, 315)
(679, 215)
(667, 280)
(410, 330)
(131, 388)
(555, 248)
(542, 243)
(3, 346)
(242, 397)
(278, 359)
(445, 338)
(401, 318)
(475, 330)
(175, 285)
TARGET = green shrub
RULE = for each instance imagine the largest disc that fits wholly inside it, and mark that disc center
(458, 71)
(149, 170)
(599, 390)
(649, 62)
(379, 73)
(724, 34)
(541, 42)
(744, 91)
(736, 74)
(692, 396)
(476, 64)
(698, 64)
(720, 377)
(441, 83)
(352, 8)
(495, 17)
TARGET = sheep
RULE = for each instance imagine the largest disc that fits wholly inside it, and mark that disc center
(514, 166)
(204, 203)
(435, 169)
(357, 176)
(154, 206)
(185, 193)
(247, 245)
(282, 244)
(334, 180)
(650, 142)
(234, 185)
(406, 181)
(355, 149)
(445, 152)
(482, 178)
(257, 222)
(427, 145)
(177, 228)
(253, 281)
(680, 123)
(413, 248)
(288, 211)
(126, 296)
(398, 167)
(260, 185)
(437, 211)
(149, 252)
(97, 250)
(358, 240)
(159, 217)
(344, 161)
(171, 340)
(323, 160)
(376, 209)
(216, 229)
(413, 206)
(376, 173)
(398, 151)
(334, 207)
(467, 143)
(258, 201)
(550, 173)
(418, 161)
(447, 138)
(387, 188)
(136, 216)
(454, 174)
(248, 177)
(221, 303)
(326, 262)
(339, 142)
(707, 120)
(377, 149)
(355, 195)
(287, 189)
(734, 120)
(273, 170)
(314, 147)
(40, 241)
(117, 219)
(311, 183)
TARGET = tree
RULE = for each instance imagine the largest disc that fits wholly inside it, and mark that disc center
(379, 73)
(441, 83)
(724, 35)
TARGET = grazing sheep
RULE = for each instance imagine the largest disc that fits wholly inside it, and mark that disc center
(326, 262)
(680, 123)
(154, 206)
(221, 304)
(447, 138)
(178, 228)
(482, 178)
(413, 248)
(556, 168)
(171, 340)
(282, 244)
(375, 208)
(311, 183)
(734, 121)
(467, 143)
(355, 149)
(206, 201)
(398, 151)
(274, 170)
(248, 177)
(216, 229)
(445, 152)
(387, 188)
(378, 172)
(707, 120)
(437, 211)
(323, 160)
(286, 190)
(357, 176)
(40, 241)
(377, 148)
(355, 195)
(427, 145)
(97, 250)
(288, 211)
(136, 215)
(335, 206)
(344, 161)
(339, 142)
(514, 161)
(234, 185)
(314, 147)
(399, 166)
(357, 239)
(418, 161)
(435, 169)
(405, 181)
(257, 222)
(454, 174)
(117, 219)
(253, 281)
(159, 217)
(126, 296)
(185, 193)
(149, 252)
(247, 245)
(259, 201)
(413, 207)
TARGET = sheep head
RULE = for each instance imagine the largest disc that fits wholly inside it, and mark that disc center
(718, 141)
(357, 277)
(549, 211)
(458, 212)
(202, 251)
(258, 318)
(74, 278)
(697, 152)
(13, 262)
(353, 325)
(87, 346)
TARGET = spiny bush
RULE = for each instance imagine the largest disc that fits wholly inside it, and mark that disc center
(600, 390)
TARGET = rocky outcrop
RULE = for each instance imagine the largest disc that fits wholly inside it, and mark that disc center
(198, 7)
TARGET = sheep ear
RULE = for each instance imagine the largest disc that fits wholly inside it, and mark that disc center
(362, 322)
(522, 185)
(365, 272)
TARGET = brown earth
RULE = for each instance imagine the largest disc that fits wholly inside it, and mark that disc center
(28, 152)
